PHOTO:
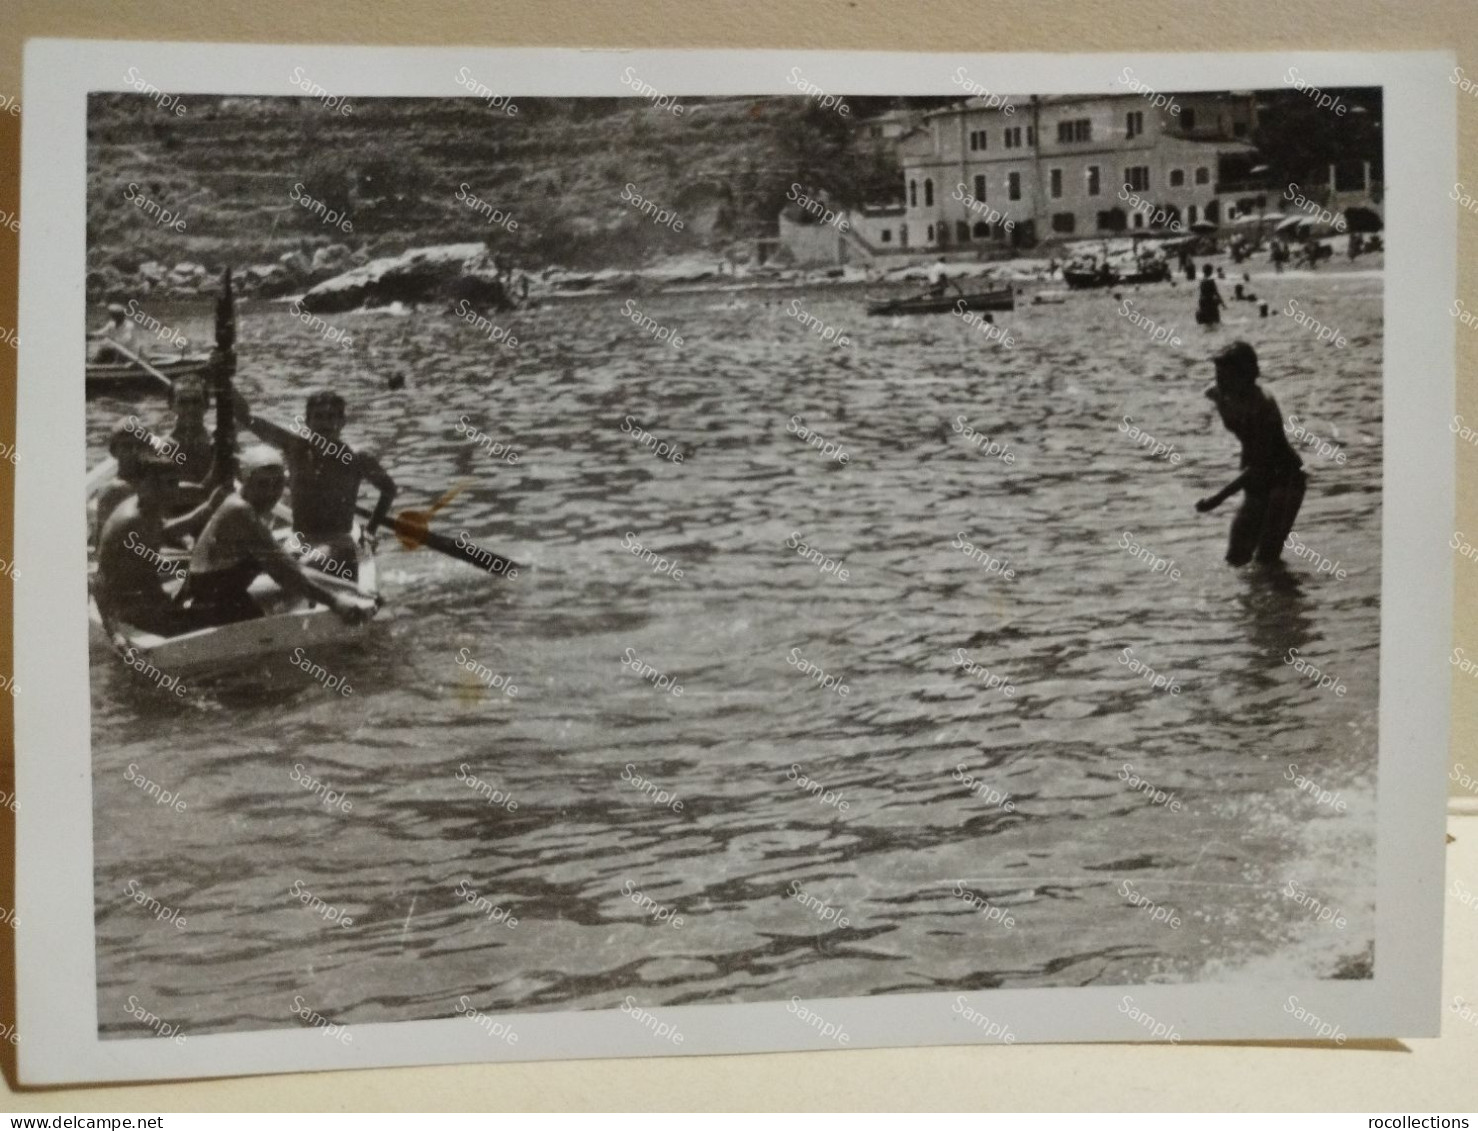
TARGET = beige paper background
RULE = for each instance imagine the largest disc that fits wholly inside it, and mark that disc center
(1378, 1077)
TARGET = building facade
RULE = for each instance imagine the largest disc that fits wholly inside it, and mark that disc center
(1068, 167)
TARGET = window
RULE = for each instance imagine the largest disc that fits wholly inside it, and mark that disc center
(928, 193)
(982, 230)
(1187, 118)
(1093, 185)
(902, 235)
(1013, 186)
(1078, 129)
(1011, 136)
(979, 186)
(977, 140)
(1239, 129)
(885, 236)
(1062, 222)
(929, 234)
(1133, 124)
(1177, 178)
(1031, 135)
(1054, 183)
(913, 194)
(1137, 177)
(1138, 218)
(1203, 175)
(1114, 220)
(1190, 214)
(962, 231)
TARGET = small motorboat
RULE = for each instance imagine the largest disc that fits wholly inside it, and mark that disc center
(1080, 279)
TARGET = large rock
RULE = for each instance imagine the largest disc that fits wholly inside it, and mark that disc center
(416, 276)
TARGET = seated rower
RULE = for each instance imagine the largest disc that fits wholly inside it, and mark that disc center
(189, 437)
(324, 476)
(131, 565)
(118, 329)
(237, 546)
(128, 444)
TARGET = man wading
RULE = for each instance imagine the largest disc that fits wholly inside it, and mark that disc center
(1272, 480)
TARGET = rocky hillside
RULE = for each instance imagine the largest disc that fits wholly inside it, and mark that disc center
(290, 192)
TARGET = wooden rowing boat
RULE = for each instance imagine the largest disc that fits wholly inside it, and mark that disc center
(105, 377)
(1080, 280)
(997, 298)
(292, 622)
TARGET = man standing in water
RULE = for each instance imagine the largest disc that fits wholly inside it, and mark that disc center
(324, 475)
(237, 546)
(1272, 480)
(1208, 312)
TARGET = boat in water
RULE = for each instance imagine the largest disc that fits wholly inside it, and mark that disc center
(104, 377)
(997, 298)
(1080, 279)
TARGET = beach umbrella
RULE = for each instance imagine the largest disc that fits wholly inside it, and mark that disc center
(1291, 222)
(1203, 226)
(1363, 219)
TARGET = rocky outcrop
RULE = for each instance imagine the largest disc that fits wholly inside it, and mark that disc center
(421, 275)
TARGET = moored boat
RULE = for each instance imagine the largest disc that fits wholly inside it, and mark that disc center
(124, 376)
(1080, 280)
(997, 298)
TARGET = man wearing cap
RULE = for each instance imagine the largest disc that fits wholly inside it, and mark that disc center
(119, 329)
(1272, 481)
(132, 566)
(237, 546)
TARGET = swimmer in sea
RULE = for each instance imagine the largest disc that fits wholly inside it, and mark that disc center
(1208, 312)
(1272, 481)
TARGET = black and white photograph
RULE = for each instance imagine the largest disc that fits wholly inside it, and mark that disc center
(611, 553)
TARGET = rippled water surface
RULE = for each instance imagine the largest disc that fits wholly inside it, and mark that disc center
(1067, 862)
